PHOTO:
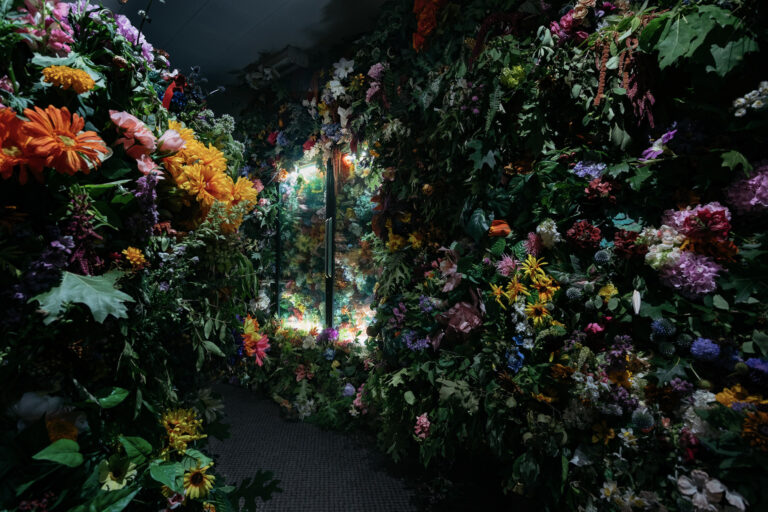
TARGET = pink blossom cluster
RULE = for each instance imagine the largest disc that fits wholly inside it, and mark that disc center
(421, 429)
(750, 195)
(54, 30)
(358, 401)
(712, 217)
(565, 28)
(692, 275)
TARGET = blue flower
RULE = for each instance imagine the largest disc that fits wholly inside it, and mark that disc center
(349, 390)
(589, 170)
(515, 360)
(663, 328)
(705, 349)
(329, 354)
(757, 364)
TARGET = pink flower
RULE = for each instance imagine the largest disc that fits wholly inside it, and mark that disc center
(533, 244)
(594, 328)
(421, 429)
(372, 91)
(148, 166)
(258, 185)
(506, 265)
(171, 142)
(303, 373)
(5, 84)
(137, 139)
(57, 32)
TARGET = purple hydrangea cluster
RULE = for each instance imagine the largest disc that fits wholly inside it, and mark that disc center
(693, 275)
(398, 315)
(332, 131)
(426, 304)
(705, 349)
(751, 195)
(589, 170)
(621, 400)
(757, 364)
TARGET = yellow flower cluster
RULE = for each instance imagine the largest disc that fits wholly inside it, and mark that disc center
(201, 171)
(66, 77)
(738, 394)
(135, 257)
(545, 286)
(182, 427)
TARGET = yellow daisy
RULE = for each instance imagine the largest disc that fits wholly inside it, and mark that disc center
(531, 267)
(538, 312)
(197, 483)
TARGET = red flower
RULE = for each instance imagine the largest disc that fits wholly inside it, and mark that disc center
(272, 138)
(624, 244)
(584, 234)
(708, 224)
(599, 189)
(309, 144)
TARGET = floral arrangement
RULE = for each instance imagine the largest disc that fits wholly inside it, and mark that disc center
(119, 251)
(571, 229)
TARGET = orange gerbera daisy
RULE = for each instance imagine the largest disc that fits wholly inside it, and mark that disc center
(56, 136)
(13, 149)
(206, 184)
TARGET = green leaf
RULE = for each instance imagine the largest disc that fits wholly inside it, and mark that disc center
(478, 225)
(409, 397)
(733, 159)
(730, 55)
(760, 339)
(168, 473)
(498, 247)
(112, 398)
(720, 303)
(212, 348)
(136, 448)
(199, 457)
(63, 451)
(96, 292)
(109, 501)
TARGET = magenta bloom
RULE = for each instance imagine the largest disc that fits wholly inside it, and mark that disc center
(57, 33)
(377, 70)
(693, 275)
(657, 148)
(594, 328)
(506, 265)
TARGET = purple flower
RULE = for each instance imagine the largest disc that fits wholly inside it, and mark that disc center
(126, 29)
(757, 364)
(282, 139)
(751, 195)
(416, 344)
(374, 88)
(588, 170)
(617, 354)
(349, 390)
(692, 275)
(327, 335)
(681, 386)
(426, 304)
(663, 328)
(657, 148)
(705, 349)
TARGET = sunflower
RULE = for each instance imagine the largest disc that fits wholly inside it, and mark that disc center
(538, 312)
(531, 267)
(66, 77)
(197, 483)
(206, 184)
(55, 136)
(13, 149)
(755, 430)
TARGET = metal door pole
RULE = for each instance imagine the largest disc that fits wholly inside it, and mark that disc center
(278, 251)
(330, 231)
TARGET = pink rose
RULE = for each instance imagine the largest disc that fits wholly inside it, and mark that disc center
(171, 142)
(137, 139)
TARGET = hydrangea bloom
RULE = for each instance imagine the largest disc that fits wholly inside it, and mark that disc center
(712, 218)
(705, 349)
(589, 170)
(377, 71)
(692, 275)
(751, 195)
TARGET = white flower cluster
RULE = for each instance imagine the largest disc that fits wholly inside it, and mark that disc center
(754, 100)
(547, 230)
(663, 246)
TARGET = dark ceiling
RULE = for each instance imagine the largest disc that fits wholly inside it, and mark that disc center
(223, 36)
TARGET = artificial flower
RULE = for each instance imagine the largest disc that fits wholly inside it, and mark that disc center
(515, 289)
(197, 483)
(206, 184)
(137, 139)
(421, 428)
(56, 137)
(171, 141)
(531, 267)
(498, 293)
(135, 257)
(538, 312)
(182, 427)
(499, 228)
(254, 344)
(14, 151)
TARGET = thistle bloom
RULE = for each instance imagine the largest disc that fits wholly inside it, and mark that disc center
(66, 77)
(56, 137)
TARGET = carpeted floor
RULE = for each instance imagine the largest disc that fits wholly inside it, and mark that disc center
(319, 471)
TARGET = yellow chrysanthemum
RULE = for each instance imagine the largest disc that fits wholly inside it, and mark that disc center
(416, 240)
(197, 483)
(66, 77)
(244, 191)
(206, 184)
(396, 242)
(210, 156)
(531, 267)
(186, 133)
(135, 257)
(538, 312)
(182, 427)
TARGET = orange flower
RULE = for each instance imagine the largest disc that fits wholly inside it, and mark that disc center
(499, 228)
(244, 190)
(56, 136)
(206, 184)
(13, 149)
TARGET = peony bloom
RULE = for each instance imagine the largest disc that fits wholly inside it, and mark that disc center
(421, 429)
(584, 235)
(548, 233)
(137, 139)
(55, 136)
(171, 142)
(499, 228)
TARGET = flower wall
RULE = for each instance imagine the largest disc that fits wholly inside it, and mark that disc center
(122, 268)
(570, 230)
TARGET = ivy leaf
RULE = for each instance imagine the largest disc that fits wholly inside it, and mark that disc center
(733, 159)
(63, 451)
(730, 55)
(624, 221)
(96, 292)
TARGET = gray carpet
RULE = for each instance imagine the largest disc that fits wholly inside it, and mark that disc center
(318, 470)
